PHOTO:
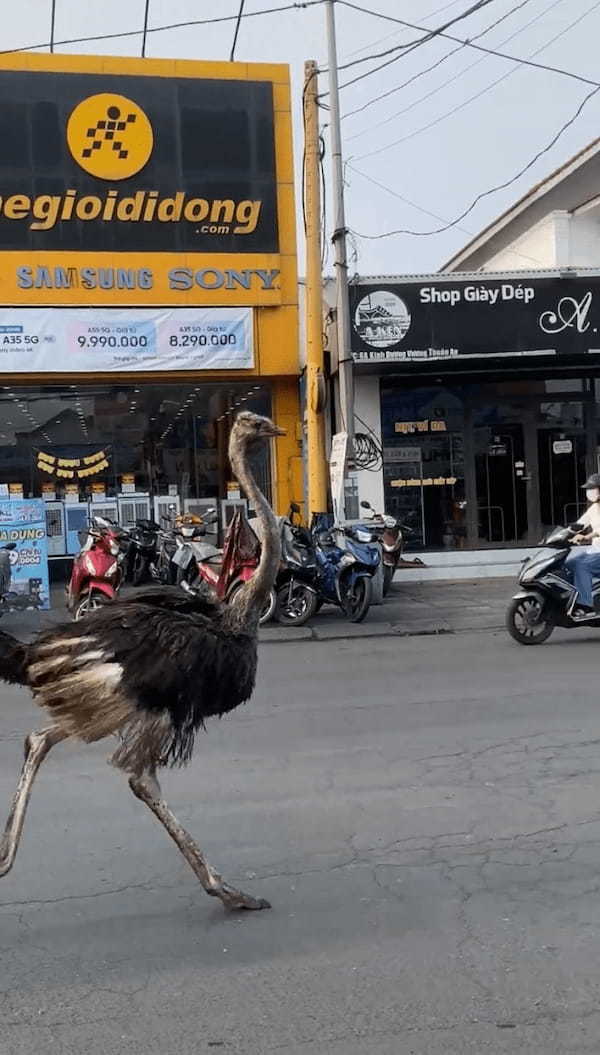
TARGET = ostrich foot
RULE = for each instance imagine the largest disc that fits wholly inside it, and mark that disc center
(147, 789)
(236, 899)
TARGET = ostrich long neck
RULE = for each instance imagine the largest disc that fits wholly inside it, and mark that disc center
(257, 589)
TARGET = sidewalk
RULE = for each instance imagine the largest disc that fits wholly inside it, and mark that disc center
(410, 609)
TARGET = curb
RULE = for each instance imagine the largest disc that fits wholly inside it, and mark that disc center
(271, 635)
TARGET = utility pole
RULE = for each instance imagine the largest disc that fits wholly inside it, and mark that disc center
(346, 379)
(315, 385)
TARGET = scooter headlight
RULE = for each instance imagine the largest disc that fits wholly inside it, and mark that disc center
(346, 560)
(89, 565)
(112, 569)
(362, 536)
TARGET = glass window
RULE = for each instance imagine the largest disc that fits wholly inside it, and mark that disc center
(159, 436)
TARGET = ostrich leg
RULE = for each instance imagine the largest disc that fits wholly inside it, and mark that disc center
(37, 746)
(147, 788)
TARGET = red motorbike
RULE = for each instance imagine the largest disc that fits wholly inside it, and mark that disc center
(97, 571)
(226, 571)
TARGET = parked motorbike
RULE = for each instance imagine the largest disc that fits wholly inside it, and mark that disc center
(142, 551)
(162, 569)
(346, 565)
(226, 571)
(192, 549)
(547, 597)
(295, 586)
(97, 571)
(389, 534)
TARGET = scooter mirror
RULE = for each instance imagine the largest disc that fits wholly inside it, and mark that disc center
(365, 505)
(10, 545)
(295, 508)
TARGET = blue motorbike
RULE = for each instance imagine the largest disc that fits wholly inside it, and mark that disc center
(346, 565)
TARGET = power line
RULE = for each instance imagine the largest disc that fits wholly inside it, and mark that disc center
(237, 29)
(52, 24)
(492, 190)
(380, 40)
(428, 212)
(483, 91)
(440, 62)
(145, 29)
(297, 6)
(405, 49)
(470, 44)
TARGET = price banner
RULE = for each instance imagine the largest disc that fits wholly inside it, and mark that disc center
(82, 340)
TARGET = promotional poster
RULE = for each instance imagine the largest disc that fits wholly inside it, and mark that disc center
(24, 523)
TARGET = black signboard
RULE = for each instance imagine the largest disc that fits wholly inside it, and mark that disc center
(447, 319)
(132, 163)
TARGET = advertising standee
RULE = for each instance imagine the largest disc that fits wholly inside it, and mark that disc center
(24, 523)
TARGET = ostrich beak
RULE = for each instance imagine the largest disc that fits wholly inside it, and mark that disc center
(277, 431)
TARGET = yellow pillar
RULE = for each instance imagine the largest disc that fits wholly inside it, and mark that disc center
(315, 387)
(288, 449)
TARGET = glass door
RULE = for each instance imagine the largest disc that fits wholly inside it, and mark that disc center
(501, 484)
(562, 472)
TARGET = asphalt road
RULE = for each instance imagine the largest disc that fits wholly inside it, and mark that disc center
(424, 815)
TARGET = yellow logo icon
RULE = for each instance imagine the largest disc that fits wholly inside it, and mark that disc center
(110, 136)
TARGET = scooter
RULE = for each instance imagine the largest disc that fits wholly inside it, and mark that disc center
(97, 571)
(391, 534)
(547, 597)
(345, 571)
(295, 585)
(141, 551)
(227, 571)
(192, 549)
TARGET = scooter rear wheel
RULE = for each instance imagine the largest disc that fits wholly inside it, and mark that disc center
(295, 605)
(90, 602)
(356, 600)
(527, 622)
(269, 608)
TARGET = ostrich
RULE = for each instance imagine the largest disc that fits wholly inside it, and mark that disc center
(150, 669)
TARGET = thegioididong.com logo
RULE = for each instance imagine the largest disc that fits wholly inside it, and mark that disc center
(110, 136)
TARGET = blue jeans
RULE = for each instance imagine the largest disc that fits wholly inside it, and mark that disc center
(584, 567)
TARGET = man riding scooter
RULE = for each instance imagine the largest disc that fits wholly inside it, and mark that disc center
(584, 564)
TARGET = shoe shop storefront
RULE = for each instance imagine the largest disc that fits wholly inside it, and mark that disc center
(148, 286)
(487, 393)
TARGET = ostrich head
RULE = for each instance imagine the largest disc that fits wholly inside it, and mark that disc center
(250, 432)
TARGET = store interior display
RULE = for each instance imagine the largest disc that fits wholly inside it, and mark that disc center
(123, 449)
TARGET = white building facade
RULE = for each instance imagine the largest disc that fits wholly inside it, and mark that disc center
(486, 412)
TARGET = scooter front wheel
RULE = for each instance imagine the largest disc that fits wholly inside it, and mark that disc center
(89, 603)
(527, 620)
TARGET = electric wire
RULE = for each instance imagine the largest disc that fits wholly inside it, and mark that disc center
(476, 47)
(298, 5)
(427, 212)
(493, 190)
(483, 91)
(237, 29)
(439, 62)
(406, 49)
(145, 29)
(52, 25)
(380, 40)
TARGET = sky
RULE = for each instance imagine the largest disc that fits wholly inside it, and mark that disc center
(410, 163)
